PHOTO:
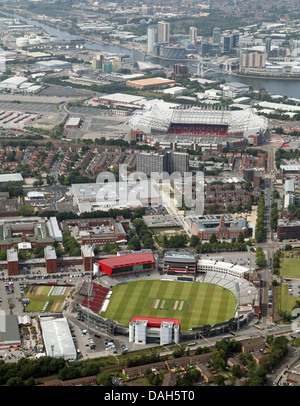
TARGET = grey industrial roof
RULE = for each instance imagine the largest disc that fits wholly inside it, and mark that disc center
(57, 337)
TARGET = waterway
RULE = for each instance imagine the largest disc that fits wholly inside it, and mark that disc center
(289, 88)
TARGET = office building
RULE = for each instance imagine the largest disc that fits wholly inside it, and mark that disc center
(288, 230)
(180, 263)
(12, 261)
(235, 40)
(50, 259)
(268, 46)
(228, 43)
(205, 47)
(88, 257)
(193, 36)
(181, 71)
(216, 36)
(252, 61)
(152, 37)
(163, 32)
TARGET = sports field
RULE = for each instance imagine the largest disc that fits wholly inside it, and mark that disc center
(47, 298)
(290, 265)
(194, 304)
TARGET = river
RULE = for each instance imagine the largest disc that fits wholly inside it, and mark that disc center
(289, 88)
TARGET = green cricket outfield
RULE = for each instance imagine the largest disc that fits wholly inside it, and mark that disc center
(194, 304)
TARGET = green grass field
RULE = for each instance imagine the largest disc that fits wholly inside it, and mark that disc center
(290, 267)
(194, 304)
(38, 297)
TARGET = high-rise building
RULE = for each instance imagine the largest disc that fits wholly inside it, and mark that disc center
(235, 40)
(228, 43)
(97, 62)
(205, 47)
(177, 162)
(268, 46)
(216, 36)
(193, 36)
(151, 38)
(181, 71)
(163, 31)
(149, 162)
(252, 61)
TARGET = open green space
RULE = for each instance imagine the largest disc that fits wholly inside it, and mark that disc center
(194, 304)
(285, 302)
(38, 297)
(290, 265)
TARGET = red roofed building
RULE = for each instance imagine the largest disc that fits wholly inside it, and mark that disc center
(155, 321)
(124, 264)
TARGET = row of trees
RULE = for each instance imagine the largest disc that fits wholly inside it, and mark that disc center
(213, 245)
(274, 217)
(260, 258)
(145, 236)
(260, 221)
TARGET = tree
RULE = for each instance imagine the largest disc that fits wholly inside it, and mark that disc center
(219, 380)
(134, 244)
(213, 239)
(194, 240)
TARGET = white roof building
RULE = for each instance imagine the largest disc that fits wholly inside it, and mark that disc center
(11, 177)
(13, 83)
(57, 338)
(54, 229)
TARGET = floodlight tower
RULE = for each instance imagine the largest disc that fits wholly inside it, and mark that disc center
(90, 284)
(237, 287)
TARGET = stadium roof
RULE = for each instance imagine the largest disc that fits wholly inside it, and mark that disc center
(154, 321)
(155, 119)
(223, 266)
(125, 260)
(180, 257)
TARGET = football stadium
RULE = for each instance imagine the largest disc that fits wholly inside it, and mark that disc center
(151, 305)
(221, 125)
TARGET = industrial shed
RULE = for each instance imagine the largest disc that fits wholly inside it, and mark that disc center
(57, 337)
(9, 331)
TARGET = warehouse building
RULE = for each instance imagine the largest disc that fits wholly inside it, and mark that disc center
(10, 177)
(13, 83)
(73, 122)
(54, 229)
(53, 64)
(122, 100)
(151, 83)
(9, 332)
(57, 337)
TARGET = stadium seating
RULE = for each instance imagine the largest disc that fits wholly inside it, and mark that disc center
(96, 299)
(198, 129)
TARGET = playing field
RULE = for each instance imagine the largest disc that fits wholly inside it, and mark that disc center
(194, 304)
(47, 298)
(290, 265)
